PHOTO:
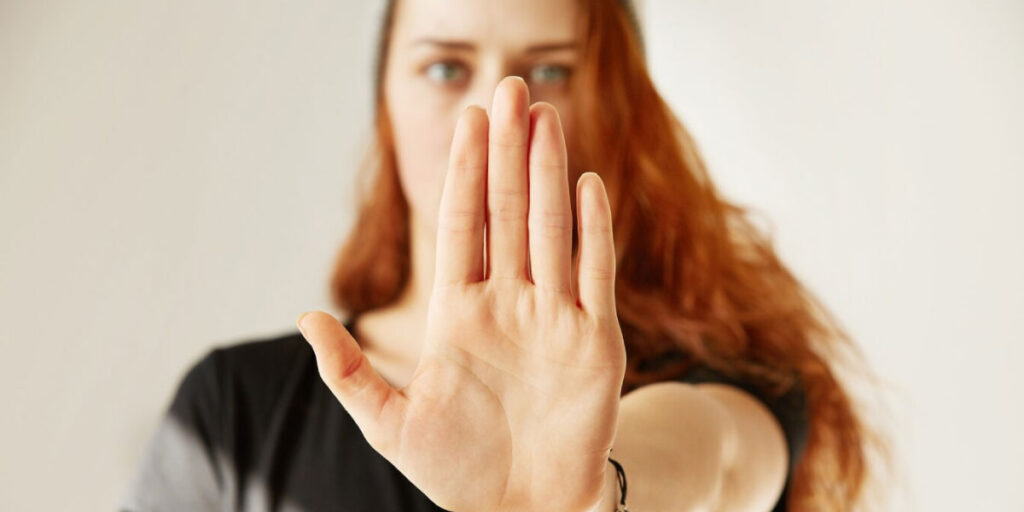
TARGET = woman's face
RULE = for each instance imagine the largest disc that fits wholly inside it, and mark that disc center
(445, 55)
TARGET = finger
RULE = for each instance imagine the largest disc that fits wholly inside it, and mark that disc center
(550, 215)
(460, 223)
(376, 407)
(597, 248)
(507, 192)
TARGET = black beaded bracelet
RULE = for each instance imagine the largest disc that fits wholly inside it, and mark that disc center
(620, 475)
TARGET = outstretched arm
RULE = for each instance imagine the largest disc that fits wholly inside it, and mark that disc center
(697, 447)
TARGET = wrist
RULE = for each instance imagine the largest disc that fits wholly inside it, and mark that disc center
(612, 493)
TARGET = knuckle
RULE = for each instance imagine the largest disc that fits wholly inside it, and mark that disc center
(506, 194)
(465, 165)
(509, 139)
(506, 205)
(545, 165)
(597, 228)
(460, 221)
(353, 367)
(550, 224)
(552, 291)
(598, 273)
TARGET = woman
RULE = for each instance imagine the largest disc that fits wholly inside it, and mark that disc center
(499, 348)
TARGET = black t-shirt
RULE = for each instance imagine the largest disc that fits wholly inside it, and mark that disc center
(253, 428)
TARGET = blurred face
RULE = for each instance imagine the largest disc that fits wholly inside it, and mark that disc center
(444, 56)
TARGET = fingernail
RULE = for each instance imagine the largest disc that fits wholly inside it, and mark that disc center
(298, 322)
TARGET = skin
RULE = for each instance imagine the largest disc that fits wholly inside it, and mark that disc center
(501, 364)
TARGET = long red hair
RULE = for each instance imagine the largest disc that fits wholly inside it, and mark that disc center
(694, 274)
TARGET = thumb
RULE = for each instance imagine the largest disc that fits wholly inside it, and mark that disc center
(375, 405)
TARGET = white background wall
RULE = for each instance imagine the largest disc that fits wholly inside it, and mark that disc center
(176, 175)
(883, 139)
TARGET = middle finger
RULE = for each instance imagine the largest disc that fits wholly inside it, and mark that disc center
(507, 183)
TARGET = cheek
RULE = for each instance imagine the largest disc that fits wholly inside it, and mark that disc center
(568, 126)
(422, 134)
(567, 116)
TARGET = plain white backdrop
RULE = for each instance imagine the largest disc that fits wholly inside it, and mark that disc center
(177, 175)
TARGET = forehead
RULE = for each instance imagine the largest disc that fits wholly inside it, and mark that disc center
(505, 23)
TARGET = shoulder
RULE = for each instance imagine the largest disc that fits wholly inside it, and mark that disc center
(252, 371)
(219, 403)
(259, 360)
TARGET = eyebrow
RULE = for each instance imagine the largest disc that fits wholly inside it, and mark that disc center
(466, 45)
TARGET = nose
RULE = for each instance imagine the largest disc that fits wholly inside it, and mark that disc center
(481, 92)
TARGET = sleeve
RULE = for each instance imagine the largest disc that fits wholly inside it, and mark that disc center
(179, 470)
(789, 408)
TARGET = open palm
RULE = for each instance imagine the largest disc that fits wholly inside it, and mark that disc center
(514, 402)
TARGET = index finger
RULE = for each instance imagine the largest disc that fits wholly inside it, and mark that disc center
(460, 222)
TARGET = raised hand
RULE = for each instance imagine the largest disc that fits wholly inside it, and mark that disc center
(513, 405)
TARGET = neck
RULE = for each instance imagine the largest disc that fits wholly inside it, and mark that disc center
(416, 296)
(396, 330)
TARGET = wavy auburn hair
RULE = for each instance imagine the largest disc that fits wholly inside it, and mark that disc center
(694, 275)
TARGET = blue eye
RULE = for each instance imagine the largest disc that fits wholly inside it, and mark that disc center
(446, 71)
(549, 73)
